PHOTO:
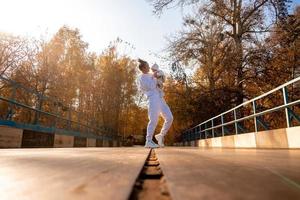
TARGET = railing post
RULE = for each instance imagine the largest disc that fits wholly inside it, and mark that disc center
(287, 113)
(69, 119)
(187, 136)
(78, 121)
(200, 132)
(255, 119)
(88, 126)
(56, 113)
(222, 122)
(235, 123)
(212, 128)
(194, 134)
(12, 98)
(205, 132)
(38, 109)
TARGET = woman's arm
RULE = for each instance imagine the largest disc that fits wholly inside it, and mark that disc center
(147, 84)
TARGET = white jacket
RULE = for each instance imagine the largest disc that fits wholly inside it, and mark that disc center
(148, 85)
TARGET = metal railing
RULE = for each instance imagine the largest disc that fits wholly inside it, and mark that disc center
(69, 126)
(208, 128)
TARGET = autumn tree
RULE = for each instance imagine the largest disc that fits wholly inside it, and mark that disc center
(114, 88)
(241, 21)
(13, 50)
(15, 53)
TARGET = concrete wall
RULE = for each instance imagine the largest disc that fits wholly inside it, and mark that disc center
(272, 139)
(36, 139)
(293, 137)
(227, 141)
(18, 138)
(216, 142)
(91, 142)
(99, 143)
(10, 137)
(247, 140)
(63, 141)
(105, 143)
(80, 142)
(279, 138)
(115, 143)
(193, 143)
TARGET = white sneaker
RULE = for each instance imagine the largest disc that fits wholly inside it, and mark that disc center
(151, 144)
(160, 140)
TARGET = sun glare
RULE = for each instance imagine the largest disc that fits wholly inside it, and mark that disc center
(31, 17)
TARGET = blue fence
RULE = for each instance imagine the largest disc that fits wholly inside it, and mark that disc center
(252, 114)
(24, 108)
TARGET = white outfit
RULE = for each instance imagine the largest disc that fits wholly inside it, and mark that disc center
(156, 105)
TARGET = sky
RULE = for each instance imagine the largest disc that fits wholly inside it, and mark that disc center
(99, 22)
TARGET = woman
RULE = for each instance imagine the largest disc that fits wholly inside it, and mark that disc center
(156, 106)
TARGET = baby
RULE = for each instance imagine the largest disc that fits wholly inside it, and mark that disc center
(160, 76)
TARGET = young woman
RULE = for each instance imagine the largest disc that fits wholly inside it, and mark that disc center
(156, 106)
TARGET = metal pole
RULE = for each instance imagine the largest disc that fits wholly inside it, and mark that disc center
(194, 134)
(37, 113)
(87, 127)
(78, 121)
(235, 123)
(205, 130)
(287, 113)
(10, 109)
(212, 130)
(255, 119)
(69, 119)
(222, 121)
(56, 112)
(200, 132)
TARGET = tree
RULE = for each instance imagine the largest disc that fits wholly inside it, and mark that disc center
(242, 20)
(115, 85)
(13, 50)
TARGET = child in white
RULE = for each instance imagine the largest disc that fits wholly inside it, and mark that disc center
(156, 106)
(160, 76)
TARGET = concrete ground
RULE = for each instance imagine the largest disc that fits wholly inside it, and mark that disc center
(69, 173)
(110, 173)
(193, 173)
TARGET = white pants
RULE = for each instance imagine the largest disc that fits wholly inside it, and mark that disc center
(158, 106)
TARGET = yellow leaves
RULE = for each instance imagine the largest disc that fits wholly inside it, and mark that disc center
(102, 87)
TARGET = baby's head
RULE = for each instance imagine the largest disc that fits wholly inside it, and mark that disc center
(155, 68)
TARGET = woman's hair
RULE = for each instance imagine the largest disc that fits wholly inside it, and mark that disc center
(142, 64)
